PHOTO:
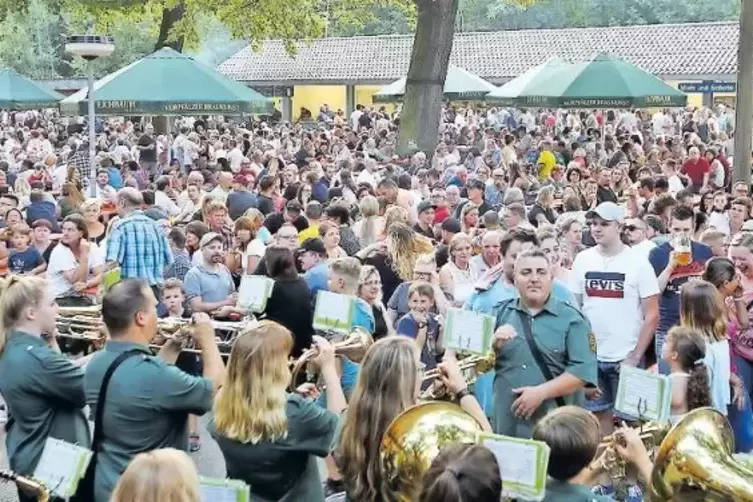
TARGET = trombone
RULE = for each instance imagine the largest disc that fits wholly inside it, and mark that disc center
(353, 347)
(471, 367)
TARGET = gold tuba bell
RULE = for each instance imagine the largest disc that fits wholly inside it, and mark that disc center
(353, 347)
(694, 462)
(415, 438)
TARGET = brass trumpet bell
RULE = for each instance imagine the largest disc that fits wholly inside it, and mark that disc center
(353, 347)
(415, 438)
(471, 367)
(694, 462)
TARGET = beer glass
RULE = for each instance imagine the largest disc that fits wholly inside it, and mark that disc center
(683, 250)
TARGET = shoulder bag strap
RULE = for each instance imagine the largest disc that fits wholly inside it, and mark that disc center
(97, 439)
(525, 320)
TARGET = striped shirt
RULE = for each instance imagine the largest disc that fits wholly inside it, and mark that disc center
(138, 245)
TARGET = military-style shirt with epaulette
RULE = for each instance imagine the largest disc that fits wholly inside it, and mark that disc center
(564, 339)
(44, 395)
(147, 406)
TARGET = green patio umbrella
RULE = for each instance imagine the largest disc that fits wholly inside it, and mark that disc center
(604, 82)
(168, 83)
(460, 85)
(509, 93)
(20, 93)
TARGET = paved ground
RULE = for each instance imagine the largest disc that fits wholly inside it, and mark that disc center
(208, 460)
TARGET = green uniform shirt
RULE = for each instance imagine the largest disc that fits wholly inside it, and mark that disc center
(285, 470)
(561, 333)
(44, 394)
(559, 491)
(148, 402)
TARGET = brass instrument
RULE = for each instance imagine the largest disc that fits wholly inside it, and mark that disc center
(27, 485)
(694, 462)
(181, 330)
(353, 347)
(415, 438)
(471, 367)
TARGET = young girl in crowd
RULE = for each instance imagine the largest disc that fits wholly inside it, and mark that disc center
(684, 352)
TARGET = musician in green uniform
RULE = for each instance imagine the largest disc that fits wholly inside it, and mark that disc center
(544, 348)
(43, 390)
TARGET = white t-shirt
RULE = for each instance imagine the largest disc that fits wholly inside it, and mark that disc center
(62, 260)
(719, 221)
(612, 289)
(675, 185)
(644, 247)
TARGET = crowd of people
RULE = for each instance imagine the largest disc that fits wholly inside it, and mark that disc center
(595, 240)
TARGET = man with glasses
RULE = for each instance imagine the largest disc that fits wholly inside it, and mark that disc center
(618, 294)
(635, 233)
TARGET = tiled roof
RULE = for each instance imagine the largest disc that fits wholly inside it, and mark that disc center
(703, 49)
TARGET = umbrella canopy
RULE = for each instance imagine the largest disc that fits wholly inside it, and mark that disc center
(20, 93)
(459, 85)
(509, 94)
(603, 82)
(168, 83)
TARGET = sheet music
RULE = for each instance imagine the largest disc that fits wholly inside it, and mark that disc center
(218, 494)
(333, 311)
(642, 393)
(522, 465)
(223, 490)
(468, 331)
(62, 466)
(254, 291)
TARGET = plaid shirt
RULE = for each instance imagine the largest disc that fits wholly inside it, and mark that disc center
(138, 245)
(80, 160)
(179, 267)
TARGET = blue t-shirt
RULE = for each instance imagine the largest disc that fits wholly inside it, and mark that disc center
(21, 262)
(407, 326)
(316, 278)
(669, 300)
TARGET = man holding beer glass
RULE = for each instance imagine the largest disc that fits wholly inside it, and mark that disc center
(675, 262)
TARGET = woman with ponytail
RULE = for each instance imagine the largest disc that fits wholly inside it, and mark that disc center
(43, 390)
(463, 473)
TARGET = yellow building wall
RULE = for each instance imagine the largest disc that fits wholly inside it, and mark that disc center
(314, 96)
(364, 95)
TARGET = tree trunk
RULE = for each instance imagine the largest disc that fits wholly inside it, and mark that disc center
(744, 102)
(432, 44)
(169, 18)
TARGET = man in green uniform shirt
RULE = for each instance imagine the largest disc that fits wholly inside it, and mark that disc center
(148, 399)
(549, 366)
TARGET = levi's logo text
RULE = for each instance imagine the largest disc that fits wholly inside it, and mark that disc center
(605, 284)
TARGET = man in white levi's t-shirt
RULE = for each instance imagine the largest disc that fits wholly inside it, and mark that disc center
(619, 294)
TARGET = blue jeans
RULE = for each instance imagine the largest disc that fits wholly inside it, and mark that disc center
(659, 338)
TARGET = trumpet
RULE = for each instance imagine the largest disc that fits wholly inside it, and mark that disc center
(471, 367)
(27, 485)
(182, 331)
(651, 434)
(353, 347)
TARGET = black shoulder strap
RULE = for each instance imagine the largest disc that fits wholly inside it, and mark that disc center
(525, 320)
(98, 417)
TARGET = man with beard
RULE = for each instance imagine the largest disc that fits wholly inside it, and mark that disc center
(209, 286)
(545, 353)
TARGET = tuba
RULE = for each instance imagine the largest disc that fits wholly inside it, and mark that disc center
(694, 462)
(415, 438)
(353, 347)
(27, 485)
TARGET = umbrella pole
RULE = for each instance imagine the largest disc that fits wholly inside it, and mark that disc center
(603, 128)
(92, 132)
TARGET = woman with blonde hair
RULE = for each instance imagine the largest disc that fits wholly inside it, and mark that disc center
(247, 250)
(469, 219)
(395, 257)
(369, 227)
(389, 382)
(257, 218)
(91, 209)
(456, 277)
(370, 291)
(270, 438)
(394, 214)
(542, 212)
(165, 475)
(43, 390)
(330, 234)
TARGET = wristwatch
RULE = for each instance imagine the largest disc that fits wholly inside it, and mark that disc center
(462, 393)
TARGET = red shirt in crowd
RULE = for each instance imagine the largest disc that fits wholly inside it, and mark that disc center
(695, 170)
(440, 214)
